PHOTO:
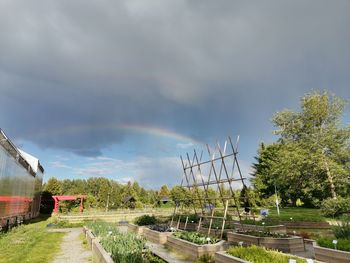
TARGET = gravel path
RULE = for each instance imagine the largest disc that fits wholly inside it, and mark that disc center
(72, 249)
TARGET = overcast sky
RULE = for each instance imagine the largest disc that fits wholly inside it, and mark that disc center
(122, 88)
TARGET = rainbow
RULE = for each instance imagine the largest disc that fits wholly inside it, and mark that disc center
(136, 128)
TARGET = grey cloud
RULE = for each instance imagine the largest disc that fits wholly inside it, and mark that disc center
(202, 68)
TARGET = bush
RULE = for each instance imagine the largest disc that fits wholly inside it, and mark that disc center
(335, 207)
(192, 218)
(342, 229)
(256, 254)
(146, 220)
(343, 244)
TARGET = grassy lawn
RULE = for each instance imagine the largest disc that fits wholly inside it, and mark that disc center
(297, 213)
(29, 243)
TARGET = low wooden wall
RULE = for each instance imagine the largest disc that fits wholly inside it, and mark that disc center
(155, 236)
(331, 255)
(191, 250)
(223, 257)
(89, 238)
(274, 229)
(189, 226)
(306, 224)
(135, 228)
(289, 245)
(99, 254)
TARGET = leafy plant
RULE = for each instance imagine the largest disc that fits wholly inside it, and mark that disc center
(342, 244)
(335, 207)
(342, 229)
(196, 238)
(145, 220)
(256, 254)
(161, 228)
(123, 247)
(192, 218)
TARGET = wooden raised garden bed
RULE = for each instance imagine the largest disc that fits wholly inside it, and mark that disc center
(191, 250)
(156, 236)
(223, 257)
(135, 228)
(273, 229)
(331, 255)
(288, 244)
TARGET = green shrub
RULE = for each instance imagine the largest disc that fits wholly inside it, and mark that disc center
(256, 254)
(145, 220)
(335, 207)
(343, 244)
(196, 238)
(192, 218)
(342, 229)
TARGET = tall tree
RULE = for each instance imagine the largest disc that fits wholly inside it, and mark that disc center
(311, 157)
(53, 186)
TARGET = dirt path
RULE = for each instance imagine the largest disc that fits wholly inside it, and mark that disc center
(72, 249)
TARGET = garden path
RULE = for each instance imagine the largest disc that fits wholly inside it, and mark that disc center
(72, 249)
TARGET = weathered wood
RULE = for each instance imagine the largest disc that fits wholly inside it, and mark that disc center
(331, 255)
(223, 257)
(156, 236)
(135, 228)
(289, 245)
(191, 250)
(99, 254)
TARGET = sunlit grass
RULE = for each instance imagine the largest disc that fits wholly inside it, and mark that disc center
(297, 214)
(29, 243)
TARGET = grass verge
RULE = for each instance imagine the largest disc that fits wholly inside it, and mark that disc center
(29, 243)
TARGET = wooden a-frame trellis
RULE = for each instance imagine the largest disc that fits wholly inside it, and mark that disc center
(220, 168)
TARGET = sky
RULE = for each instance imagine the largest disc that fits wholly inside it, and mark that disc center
(122, 88)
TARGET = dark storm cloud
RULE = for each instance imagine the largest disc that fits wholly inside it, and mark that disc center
(202, 68)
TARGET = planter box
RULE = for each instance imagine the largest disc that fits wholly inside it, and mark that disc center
(99, 254)
(156, 236)
(214, 232)
(289, 245)
(331, 255)
(135, 228)
(189, 226)
(273, 229)
(306, 224)
(223, 257)
(191, 250)
(89, 238)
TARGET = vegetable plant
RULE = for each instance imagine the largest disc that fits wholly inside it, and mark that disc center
(196, 238)
(256, 254)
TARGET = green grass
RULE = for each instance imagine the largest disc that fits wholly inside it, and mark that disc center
(29, 243)
(297, 213)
